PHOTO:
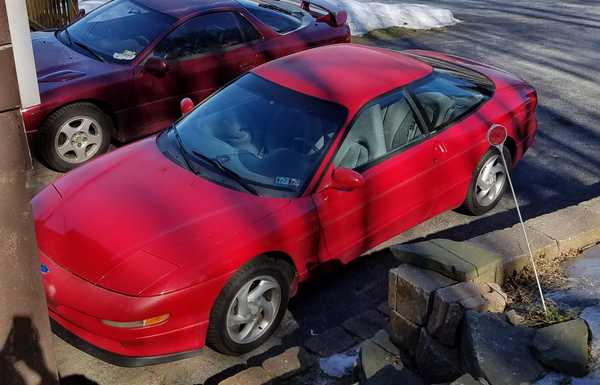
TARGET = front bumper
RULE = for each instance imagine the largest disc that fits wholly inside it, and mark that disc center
(77, 308)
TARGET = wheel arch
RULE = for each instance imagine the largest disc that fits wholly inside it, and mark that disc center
(511, 145)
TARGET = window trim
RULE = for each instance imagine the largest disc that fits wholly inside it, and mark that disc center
(245, 41)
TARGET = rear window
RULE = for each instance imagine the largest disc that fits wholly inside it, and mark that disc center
(279, 16)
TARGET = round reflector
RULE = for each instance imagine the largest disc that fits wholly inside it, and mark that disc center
(497, 135)
(186, 105)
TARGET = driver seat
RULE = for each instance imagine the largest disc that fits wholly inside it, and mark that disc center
(365, 141)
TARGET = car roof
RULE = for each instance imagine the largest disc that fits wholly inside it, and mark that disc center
(347, 74)
(182, 8)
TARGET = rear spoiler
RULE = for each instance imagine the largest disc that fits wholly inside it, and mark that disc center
(335, 18)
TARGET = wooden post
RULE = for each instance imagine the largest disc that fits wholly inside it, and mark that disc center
(26, 351)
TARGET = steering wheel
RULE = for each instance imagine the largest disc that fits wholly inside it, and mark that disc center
(312, 149)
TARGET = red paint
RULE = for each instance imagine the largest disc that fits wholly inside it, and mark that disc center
(143, 101)
(132, 235)
(186, 105)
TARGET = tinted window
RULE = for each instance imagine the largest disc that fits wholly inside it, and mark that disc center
(280, 16)
(446, 96)
(250, 33)
(207, 33)
(379, 130)
(117, 32)
(273, 137)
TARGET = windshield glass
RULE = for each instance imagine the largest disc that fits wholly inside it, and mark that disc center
(117, 32)
(272, 137)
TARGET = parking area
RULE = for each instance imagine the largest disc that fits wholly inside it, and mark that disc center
(551, 44)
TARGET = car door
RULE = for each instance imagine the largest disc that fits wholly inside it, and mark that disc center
(201, 55)
(387, 145)
(450, 103)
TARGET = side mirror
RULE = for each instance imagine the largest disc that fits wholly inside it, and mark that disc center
(340, 18)
(81, 13)
(186, 105)
(346, 179)
(156, 66)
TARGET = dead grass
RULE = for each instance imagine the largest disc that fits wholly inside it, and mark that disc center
(524, 296)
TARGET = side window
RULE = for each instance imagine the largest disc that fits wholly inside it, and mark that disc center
(280, 17)
(207, 33)
(446, 96)
(379, 130)
(248, 31)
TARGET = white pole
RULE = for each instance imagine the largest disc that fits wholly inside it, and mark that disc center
(512, 189)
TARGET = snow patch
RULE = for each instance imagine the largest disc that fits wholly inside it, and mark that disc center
(89, 5)
(368, 16)
(339, 365)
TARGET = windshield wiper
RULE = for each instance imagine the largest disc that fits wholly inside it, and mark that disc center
(85, 47)
(226, 171)
(183, 151)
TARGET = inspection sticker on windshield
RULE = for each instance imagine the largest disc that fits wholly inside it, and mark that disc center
(287, 181)
(125, 55)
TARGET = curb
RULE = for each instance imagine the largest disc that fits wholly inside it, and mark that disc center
(562, 232)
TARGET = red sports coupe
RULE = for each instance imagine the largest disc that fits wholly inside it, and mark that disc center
(121, 70)
(200, 235)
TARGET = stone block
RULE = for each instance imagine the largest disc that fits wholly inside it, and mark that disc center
(250, 376)
(579, 227)
(563, 347)
(591, 315)
(497, 351)
(436, 362)
(378, 367)
(592, 205)
(413, 290)
(450, 303)
(292, 361)
(465, 379)
(461, 261)
(510, 244)
(382, 338)
(404, 333)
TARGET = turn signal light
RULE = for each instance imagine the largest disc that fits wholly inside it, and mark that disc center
(153, 321)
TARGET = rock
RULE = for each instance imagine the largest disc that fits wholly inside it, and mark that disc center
(514, 318)
(563, 347)
(332, 341)
(591, 316)
(404, 333)
(411, 289)
(436, 362)
(292, 361)
(382, 338)
(450, 303)
(250, 376)
(364, 325)
(461, 261)
(497, 351)
(379, 367)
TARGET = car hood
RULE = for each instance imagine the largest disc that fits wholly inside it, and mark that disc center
(57, 63)
(129, 218)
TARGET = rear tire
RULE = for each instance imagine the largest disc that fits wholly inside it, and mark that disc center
(73, 135)
(488, 184)
(238, 326)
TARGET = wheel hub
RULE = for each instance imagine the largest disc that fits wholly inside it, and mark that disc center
(79, 139)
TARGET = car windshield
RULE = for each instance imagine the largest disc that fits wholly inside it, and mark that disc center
(116, 32)
(272, 137)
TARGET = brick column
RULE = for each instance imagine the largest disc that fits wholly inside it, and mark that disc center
(26, 351)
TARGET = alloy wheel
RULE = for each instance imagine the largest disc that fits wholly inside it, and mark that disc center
(78, 139)
(490, 181)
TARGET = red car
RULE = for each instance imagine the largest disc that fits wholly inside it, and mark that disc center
(121, 70)
(201, 234)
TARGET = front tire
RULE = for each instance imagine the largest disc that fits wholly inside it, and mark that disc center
(250, 306)
(74, 135)
(488, 184)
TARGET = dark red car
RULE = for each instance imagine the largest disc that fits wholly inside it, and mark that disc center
(121, 70)
(201, 234)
